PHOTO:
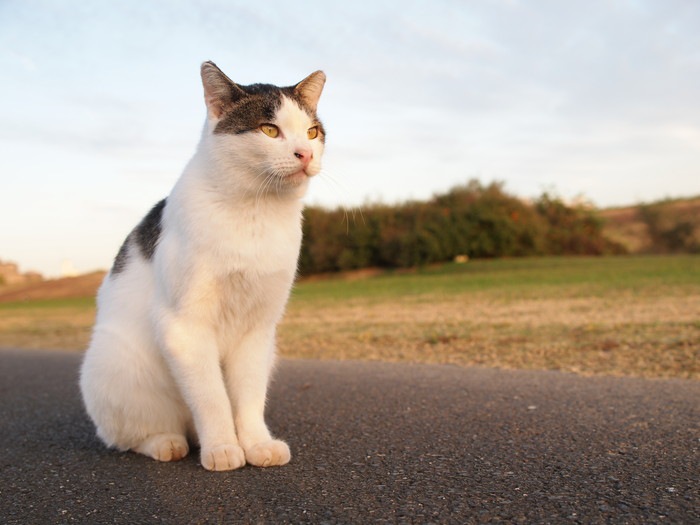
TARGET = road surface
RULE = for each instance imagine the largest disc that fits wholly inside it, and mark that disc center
(372, 443)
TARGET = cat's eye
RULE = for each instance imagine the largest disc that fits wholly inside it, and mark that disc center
(270, 130)
(312, 133)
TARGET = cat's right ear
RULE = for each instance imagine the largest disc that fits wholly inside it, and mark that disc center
(310, 88)
(220, 92)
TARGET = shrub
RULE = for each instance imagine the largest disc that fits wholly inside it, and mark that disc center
(671, 230)
(477, 220)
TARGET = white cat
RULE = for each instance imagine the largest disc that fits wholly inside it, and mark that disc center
(184, 340)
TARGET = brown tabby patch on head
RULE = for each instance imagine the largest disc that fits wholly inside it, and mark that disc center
(258, 107)
(244, 108)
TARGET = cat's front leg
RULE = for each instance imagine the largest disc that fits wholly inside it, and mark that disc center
(191, 351)
(247, 371)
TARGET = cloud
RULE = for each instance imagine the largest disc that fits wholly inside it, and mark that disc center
(10, 57)
(596, 98)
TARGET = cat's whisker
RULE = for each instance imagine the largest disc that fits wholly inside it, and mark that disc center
(263, 187)
(329, 178)
(258, 191)
(346, 219)
(268, 175)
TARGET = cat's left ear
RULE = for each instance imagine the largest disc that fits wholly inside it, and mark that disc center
(310, 89)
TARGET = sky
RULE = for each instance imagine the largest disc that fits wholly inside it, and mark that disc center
(101, 104)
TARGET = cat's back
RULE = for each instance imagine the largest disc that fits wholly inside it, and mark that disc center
(126, 290)
(141, 243)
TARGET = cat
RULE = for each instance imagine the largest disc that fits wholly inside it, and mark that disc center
(184, 338)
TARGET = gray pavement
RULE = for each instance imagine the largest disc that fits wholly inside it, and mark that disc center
(372, 443)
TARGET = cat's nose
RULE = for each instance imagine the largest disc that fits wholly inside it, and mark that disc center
(304, 155)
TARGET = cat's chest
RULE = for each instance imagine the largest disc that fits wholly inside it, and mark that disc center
(267, 248)
(242, 294)
(250, 242)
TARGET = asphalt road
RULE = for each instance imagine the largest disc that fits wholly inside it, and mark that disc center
(372, 443)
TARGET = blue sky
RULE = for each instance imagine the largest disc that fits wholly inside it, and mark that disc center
(101, 103)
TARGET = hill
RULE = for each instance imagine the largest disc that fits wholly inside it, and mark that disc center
(65, 288)
(666, 226)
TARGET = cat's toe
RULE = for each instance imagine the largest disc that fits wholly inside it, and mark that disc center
(223, 457)
(164, 447)
(268, 454)
(175, 452)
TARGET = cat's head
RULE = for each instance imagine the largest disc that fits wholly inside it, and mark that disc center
(269, 136)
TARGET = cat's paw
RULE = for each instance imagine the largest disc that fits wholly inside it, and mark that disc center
(223, 457)
(164, 447)
(268, 454)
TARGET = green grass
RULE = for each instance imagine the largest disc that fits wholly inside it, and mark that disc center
(529, 277)
(49, 304)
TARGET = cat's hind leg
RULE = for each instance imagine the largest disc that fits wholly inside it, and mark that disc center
(132, 399)
(163, 447)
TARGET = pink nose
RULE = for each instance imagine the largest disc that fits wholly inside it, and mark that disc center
(304, 155)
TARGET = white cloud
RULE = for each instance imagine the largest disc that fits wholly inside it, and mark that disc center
(102, 102)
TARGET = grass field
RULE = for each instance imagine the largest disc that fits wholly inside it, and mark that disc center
(622, 316)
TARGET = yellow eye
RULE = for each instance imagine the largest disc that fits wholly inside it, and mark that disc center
(270, 130)
(312, 133)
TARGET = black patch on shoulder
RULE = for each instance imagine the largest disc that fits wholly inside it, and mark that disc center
(122, 258)
(147, 233)
(146, 236)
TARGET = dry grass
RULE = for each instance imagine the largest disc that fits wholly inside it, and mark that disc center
(626, 316)
(650, 337)
(60, 325)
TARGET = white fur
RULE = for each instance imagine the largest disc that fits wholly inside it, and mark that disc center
(183, 345)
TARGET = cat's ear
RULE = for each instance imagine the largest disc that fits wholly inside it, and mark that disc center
(220, 92)
(310, 88)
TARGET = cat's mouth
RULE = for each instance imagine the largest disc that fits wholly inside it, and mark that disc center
(296, 178)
